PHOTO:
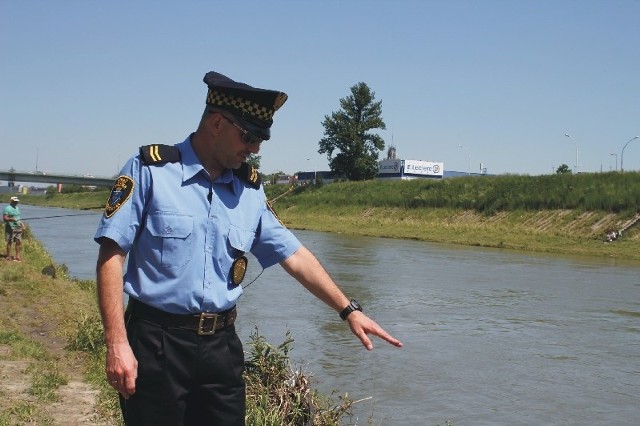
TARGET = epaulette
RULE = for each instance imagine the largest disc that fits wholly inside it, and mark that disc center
(250, 174)
(159, 154)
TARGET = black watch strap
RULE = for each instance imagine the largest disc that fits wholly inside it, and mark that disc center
(352, 306)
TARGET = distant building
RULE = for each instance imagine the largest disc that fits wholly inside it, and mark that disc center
(310, 177)
(395, 168)
(410, 169)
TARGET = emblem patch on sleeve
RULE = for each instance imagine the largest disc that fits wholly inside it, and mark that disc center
(120, 193)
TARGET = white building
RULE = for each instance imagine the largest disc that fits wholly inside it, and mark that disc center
(395, 168)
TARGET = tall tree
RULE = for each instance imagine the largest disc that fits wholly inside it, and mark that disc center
(254, 161)
(348, 131)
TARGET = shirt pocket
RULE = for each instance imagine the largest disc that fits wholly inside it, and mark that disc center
(239, 242)
(240, 239)
(174, 234)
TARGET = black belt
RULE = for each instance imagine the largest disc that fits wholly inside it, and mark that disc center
(204, 323)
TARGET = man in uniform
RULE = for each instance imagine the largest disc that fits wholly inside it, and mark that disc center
(185, 215)
(13, 228)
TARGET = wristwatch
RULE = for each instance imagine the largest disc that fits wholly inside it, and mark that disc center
(353, 306)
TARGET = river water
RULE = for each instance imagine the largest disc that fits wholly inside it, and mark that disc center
(492, 337)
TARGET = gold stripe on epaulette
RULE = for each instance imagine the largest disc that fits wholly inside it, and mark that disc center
(154, 153)
(253, 177)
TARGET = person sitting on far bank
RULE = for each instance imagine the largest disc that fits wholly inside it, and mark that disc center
(13, 228)
(184, 216)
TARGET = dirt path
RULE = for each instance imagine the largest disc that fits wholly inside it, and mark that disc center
(76, 400)
(20, 363)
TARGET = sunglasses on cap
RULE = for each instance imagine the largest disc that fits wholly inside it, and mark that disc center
(247, 137)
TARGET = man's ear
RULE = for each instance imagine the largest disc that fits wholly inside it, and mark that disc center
(214, 123)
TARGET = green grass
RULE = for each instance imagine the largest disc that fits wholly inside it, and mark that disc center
(92, 200)
(554, 214)
(23, 347)
(46, 380)
(607, 192)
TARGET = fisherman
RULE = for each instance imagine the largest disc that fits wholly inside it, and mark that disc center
(13, 228)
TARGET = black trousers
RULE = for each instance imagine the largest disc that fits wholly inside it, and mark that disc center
(185, 379)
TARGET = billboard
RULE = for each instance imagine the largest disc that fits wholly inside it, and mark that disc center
(423, 168)
(389, 166)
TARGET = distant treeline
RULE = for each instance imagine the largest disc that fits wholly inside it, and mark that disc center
(609, 192)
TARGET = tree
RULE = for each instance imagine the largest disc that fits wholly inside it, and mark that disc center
(563, 169)
(254, 161)
(12, 178)
(349, 132)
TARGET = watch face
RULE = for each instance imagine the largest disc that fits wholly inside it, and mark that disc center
(355, 305)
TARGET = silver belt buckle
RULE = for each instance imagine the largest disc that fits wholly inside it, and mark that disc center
(203, 317)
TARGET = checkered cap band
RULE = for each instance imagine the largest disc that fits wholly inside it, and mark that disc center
(260, 112)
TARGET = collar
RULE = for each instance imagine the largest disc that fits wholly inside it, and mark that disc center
(191, 166)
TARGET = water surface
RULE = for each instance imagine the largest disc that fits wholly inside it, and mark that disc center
(492, 337)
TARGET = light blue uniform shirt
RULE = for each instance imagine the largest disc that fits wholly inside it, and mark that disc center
(181, 246)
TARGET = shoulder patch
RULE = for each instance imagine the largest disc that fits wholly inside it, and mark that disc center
(159, 154)
(249, 174)
(120, 193)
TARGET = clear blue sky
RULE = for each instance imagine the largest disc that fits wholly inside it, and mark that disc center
(84, 83)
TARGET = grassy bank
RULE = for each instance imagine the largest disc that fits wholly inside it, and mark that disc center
(553, 213)
(52, 357)
(563, 231)
(42, 381)
(91, 200)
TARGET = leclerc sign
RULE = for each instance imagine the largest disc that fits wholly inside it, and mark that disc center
(426, 168)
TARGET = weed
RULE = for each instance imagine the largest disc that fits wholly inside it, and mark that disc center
(88, 336)
(22, 347)
(277, 395)
(22, 411)
(45, 383)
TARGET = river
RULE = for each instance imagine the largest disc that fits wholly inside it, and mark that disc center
(492, 337)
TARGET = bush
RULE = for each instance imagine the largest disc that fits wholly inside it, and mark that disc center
(277, 395)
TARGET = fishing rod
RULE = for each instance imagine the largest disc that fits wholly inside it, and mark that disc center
(59, 215)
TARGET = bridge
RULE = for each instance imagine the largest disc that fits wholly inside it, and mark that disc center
(39, 177)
